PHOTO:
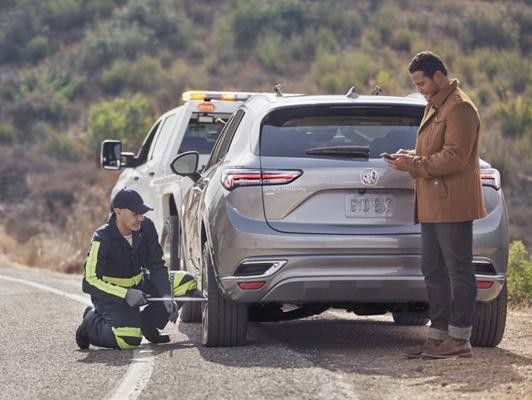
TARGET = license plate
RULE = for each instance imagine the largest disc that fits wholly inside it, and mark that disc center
(368, 206)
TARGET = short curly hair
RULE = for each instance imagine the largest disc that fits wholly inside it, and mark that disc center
(428, 63)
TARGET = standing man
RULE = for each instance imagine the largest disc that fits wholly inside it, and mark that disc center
(445, 165)
(123, 266)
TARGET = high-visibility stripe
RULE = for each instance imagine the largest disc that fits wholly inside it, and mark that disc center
(124, 282)
(183, 282)
(93, 280)
(125, 332)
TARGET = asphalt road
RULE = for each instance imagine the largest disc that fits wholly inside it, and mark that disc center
(332, 356)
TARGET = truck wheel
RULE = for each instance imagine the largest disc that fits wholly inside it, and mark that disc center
(191, 311)
(224, 323)
(170, 242)
(410, 318)
(489, 321)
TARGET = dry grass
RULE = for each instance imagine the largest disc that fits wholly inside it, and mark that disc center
(51, 223)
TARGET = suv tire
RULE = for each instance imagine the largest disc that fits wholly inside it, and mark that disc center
(170, 242)
(410, 318)
(191, 311)
(489, 321)
(224, 323)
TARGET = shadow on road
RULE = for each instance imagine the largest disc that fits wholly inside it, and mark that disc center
(106, 356)
(114, 357)
(361, 346)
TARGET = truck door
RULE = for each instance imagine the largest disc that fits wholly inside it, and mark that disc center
(146, 173)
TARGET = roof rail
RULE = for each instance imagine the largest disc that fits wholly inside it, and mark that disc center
(352, 92)
(376, 91)
(277, 90)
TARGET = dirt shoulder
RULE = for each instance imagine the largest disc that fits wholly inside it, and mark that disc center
(365, 353)
(504, 372)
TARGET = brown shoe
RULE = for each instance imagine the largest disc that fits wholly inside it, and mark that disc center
(417, 351)
(450, 347)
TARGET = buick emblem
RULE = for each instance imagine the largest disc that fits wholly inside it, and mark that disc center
(369, 177)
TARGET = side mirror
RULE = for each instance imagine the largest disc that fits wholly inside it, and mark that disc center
(186, 164)
(110, 154)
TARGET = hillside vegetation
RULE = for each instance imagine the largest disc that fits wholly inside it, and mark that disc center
(75, 72)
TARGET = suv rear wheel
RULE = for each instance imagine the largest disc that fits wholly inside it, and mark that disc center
(170, 242)
(410, 318)
(489, 321)
(224, 323)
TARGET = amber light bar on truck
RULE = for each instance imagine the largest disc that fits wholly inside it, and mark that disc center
(203, 95)
(232, 178)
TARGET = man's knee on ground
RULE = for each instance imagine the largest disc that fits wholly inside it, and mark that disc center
(127, 337)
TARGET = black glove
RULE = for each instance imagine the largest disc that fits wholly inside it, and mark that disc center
(135, 298)
(171, 308)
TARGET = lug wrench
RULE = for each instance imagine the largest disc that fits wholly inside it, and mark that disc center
(178, 299)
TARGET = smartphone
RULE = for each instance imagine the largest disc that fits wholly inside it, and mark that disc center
(387, 156)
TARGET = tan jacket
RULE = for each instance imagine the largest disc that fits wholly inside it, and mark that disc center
(446, 165)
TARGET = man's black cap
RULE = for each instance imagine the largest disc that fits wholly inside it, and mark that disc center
(130, 199)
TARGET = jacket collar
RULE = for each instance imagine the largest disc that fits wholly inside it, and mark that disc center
(112, 226)
(116, 233)
(438, 99)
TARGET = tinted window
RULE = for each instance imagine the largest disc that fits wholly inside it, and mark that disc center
(290, 132)
(142, 154)
(202, 132)
(222, 145)
(159, 145)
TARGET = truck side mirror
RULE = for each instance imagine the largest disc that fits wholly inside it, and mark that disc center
(111, 154)
(186, 164)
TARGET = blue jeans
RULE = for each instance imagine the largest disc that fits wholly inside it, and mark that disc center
(447, 264)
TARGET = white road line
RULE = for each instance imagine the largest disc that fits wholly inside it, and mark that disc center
(140, 369)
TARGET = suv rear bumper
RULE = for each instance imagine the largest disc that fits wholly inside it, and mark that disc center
(314, 268)
(302, 280)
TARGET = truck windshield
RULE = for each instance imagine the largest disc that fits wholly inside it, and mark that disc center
(202, 132)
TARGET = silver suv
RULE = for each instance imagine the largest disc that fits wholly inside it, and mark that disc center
(295, 212)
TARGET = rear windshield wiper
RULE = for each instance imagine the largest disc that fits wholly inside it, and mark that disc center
(340, 151)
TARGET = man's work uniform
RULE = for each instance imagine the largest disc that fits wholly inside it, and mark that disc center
(448, 198)
(113, 266)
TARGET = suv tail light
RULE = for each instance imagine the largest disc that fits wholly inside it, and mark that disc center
(491, 177)
(232, 178)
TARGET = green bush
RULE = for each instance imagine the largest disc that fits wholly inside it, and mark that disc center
(36, 49)
(7, 133)
(249, 20)
(508, 68)
(483, 28)
(65, 14)
(34, 114)
(61, 147)
(519, 275)
(270, 52)
(516, 117)
(126, 118)
(142, 75)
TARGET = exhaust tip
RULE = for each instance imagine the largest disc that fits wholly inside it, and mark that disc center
(259, 268)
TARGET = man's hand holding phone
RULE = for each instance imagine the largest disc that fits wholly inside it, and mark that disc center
(387, 156)
(399, 160)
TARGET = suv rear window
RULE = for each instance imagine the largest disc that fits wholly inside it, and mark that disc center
(289, 132)
(202, 132)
